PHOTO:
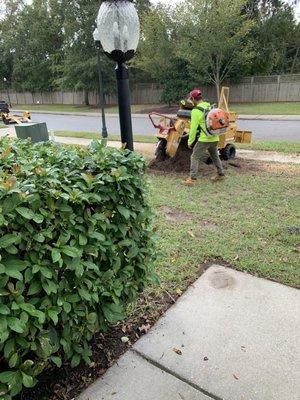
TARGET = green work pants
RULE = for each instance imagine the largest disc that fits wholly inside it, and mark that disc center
(199, 154)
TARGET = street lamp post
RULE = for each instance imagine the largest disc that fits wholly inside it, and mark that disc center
(119, 31)
(7, 91)
(101, 82)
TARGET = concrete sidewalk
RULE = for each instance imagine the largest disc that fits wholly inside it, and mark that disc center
(109, 115)
(148, 149)
(230, 337)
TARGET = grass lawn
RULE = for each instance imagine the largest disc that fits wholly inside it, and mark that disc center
(283, 147)
(267, 108)
(244, 221)
(90, 135)
(70, 108)
(241, 108)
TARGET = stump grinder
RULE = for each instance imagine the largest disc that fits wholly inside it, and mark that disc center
(12, 119)
(171, 131)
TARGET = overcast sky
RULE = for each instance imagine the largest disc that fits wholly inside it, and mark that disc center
(177, 1)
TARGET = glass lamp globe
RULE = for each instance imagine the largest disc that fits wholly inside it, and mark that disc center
(119, 29)
(96, 35)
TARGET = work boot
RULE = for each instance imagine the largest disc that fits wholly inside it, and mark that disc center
(218, 178)
(189, 182)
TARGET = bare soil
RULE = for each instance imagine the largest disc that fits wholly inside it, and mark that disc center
(175, 215)
(181, 164)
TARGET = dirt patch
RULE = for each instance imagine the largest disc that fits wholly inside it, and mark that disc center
(294, 230)
(174, 214)
(210, 226)
(181, 164)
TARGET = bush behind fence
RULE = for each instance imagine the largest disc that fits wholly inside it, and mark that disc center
(274, 88)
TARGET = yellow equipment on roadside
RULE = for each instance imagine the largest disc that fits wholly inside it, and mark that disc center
(172, 131)
(9, 118)
(12, 119)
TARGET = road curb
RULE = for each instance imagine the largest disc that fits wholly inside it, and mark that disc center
(80, 114)
(94, 114)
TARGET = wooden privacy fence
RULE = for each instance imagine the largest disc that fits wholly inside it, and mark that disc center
(273, 88)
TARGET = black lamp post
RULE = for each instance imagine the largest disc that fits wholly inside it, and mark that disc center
(7, 91)
(101, 82)
(119, 31)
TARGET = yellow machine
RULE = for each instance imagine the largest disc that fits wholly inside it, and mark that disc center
(11, 119)
(172, 131)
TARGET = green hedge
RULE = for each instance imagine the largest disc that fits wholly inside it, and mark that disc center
(76, 246)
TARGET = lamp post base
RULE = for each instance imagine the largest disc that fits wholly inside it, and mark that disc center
(124, 106)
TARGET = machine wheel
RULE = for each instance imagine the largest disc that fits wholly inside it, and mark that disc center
(160, 152)
(5, 120)
(228, 153)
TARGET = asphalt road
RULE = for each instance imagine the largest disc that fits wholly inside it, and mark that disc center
(262, 130)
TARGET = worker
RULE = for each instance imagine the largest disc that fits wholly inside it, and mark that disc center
(204, 143)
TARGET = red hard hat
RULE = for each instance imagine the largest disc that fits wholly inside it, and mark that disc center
(196, 94)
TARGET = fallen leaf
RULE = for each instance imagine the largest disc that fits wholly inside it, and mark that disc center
(177, 351)
(101, 371)
(178, 292)
(191, 233)
(125, 339)
(144, 328)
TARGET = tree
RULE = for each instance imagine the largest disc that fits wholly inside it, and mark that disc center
(156, 47)
(214, 38)
(157, 54)
(37, 41)
(9, 18)
(295, 51)
(31, 38)
(274, 34)
(142, 5)
(78, 69)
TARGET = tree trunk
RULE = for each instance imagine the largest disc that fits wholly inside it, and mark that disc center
(295, 59)
(86, 98)
(217, 85)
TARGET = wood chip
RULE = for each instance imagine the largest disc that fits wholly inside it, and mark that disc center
(177, 351)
